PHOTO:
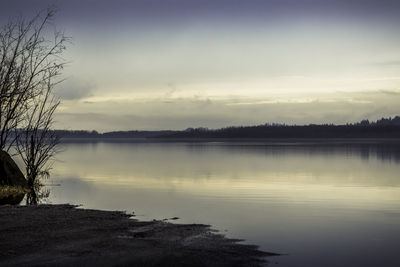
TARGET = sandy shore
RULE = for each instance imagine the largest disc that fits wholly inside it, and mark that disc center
(63, 235)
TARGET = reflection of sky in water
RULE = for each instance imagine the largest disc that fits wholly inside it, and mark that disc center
(324, 205)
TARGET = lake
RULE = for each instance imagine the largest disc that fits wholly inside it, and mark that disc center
(321, 203)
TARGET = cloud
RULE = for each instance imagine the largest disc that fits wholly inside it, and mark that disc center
(75, 88)
(181, 113)
(389, 63)
(390, 92)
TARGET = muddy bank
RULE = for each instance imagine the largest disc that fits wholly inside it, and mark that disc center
(63, 235)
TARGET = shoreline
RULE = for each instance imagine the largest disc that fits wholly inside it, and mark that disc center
(64, 235)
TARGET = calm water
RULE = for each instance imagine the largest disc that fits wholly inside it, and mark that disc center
(323, 205)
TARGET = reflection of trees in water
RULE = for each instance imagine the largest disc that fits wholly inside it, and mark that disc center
(385, 151)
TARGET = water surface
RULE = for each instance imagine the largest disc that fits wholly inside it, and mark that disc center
(322, 204)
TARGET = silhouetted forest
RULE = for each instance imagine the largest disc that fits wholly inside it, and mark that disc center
(383, 128)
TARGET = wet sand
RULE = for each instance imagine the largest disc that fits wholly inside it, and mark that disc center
(63, 235)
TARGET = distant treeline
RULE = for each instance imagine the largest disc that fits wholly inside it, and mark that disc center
(310, 131)
(383, 128)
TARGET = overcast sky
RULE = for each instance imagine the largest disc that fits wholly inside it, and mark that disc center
(163, 64)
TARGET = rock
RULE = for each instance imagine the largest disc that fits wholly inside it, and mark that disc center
(11, 199)
(10, 174)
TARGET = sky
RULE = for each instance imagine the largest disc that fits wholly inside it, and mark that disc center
(174, 64)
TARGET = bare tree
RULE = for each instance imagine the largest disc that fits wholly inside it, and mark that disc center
(29, 59)
(36, 142)
(30, 67)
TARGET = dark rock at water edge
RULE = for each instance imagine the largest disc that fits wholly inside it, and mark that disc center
(11, 199)
(10, 174)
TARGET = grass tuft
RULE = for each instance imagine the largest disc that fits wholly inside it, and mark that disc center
(6, 191)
